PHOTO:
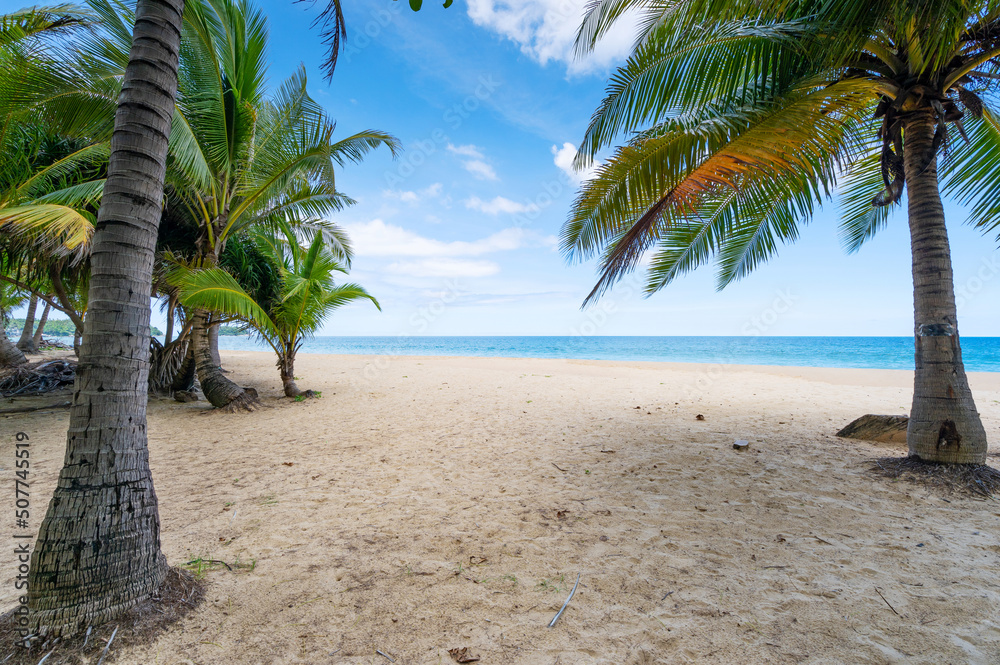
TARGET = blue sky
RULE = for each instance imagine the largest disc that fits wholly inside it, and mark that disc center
(459, 235)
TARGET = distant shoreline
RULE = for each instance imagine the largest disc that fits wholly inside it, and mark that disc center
(855, 376)
(981, 354)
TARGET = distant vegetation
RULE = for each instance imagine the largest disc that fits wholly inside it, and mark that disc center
(56, 327)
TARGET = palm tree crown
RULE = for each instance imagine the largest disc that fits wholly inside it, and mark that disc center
(741, 118)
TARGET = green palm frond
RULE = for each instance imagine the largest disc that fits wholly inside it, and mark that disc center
(34, 22)
(46, 178)
(56, 230)
(189, 166)
(972, 174)
(861, 219)
(664, 77)
(693, 242)
(85, 195)
(344, 294)
(216, 290)
(356, 147)
(800, 139)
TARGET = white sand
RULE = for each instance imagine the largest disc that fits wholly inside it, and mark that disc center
(421, 509)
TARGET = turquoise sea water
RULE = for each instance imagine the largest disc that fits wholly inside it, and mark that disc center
(981, 354)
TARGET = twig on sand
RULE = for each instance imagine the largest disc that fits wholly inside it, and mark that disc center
(557, 466)
(45, 657)
(563, 608)
(108, 646)
(886, 601)
(385, 655)
(666, 595)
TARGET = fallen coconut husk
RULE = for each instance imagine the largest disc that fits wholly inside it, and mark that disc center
(976, 479)
(883, 429)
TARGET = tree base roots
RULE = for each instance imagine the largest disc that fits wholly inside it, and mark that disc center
(246, 402)
(975, 479)
(143, 624)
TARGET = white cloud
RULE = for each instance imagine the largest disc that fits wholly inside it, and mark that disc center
(444, 268)
(498, 205)
(476, 165)
(563, 158)
(466, 150)
(546, 30)
(413, 197)
(376, 238)
(480, 169)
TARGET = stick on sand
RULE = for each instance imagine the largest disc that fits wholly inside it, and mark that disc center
(563, 608)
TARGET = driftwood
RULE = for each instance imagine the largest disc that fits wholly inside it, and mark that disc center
(883, 429)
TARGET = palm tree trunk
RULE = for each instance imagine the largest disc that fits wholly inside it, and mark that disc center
(184, 380)
(171, 310)
(944, 424)
(10, 355)
(37, 339)
(98, 547)
(286, 367)
(213, 345)
(77, 341)
(219, 391)
(26, 342)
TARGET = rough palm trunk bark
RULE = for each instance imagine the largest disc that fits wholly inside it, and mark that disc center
(26, 342)
(98, 548)
(213, 344)
(219, 391)
(37, 339)
(944, 425)
(286, 367)
(10, 355)
(77, 341)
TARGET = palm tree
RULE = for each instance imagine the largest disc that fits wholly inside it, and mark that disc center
(98, 547)
(243, 160)
(741, 119)
(72, 583)
(305, 296)
(36, 339)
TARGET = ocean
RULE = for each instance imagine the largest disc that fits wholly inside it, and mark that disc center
(981, 354)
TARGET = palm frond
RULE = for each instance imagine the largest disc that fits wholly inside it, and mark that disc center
(972, 175)
(687, 71)
(802, 139)
(861, 219)
(216, 290)
(56, 230)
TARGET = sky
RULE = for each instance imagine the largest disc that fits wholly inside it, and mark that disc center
(459, 235)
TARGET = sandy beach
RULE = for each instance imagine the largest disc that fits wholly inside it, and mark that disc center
(428, 504)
